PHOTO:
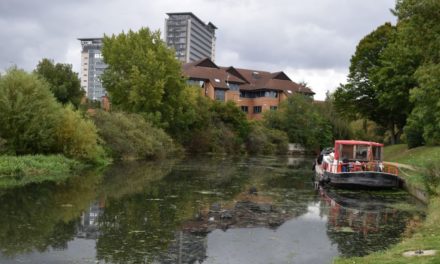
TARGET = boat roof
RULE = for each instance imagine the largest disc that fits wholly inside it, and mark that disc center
(357, 142)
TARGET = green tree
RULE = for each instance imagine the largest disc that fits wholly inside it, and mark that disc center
(29, 113)
(143, 76)
(302, 122)
(33, 122)
(340, 126)
(379, 82)
(420, 32)
(63, 82)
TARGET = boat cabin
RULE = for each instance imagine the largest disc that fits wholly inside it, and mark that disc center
(355, 156)
(354, 150)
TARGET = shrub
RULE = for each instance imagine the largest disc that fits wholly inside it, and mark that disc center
(262, 140)
(130, 136)
(33, 122)
(432, 178)
(77, 137)
(29, 113)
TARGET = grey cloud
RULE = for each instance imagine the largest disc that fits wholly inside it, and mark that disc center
(317, 34)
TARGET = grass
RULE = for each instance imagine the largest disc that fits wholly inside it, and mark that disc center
(418, 157)
(427, 235)
(21, 170)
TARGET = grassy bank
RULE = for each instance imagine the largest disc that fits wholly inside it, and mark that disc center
(427, 235)
(21, 170)
(418, 157)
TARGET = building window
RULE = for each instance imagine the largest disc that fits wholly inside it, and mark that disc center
(273, 107)
(245, 108)
(219, 95)
(195, 83)
(272, 94)
(257, 94)
(257, 109)
(233, 86)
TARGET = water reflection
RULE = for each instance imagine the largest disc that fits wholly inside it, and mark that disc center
(43, 216)
(362, 222)
(204, 210)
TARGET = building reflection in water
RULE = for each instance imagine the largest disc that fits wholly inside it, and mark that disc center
(88, 224)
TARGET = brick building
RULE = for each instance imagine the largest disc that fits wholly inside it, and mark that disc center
(253, 91)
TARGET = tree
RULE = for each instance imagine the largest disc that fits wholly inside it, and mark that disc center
(302, 122)
(63, 82)
(33, 122)
(379, 81)
(143, 76)
(420, 31)
(29, 113)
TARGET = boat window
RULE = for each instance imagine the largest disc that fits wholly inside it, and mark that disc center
(377, 153)
(361, 152)
(347, 152)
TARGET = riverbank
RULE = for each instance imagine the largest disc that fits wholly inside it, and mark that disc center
(418, 236)
(21, 170)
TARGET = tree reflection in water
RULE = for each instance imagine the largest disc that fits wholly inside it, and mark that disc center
(41, 216)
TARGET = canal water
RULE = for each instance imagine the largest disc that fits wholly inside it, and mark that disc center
(199, 210)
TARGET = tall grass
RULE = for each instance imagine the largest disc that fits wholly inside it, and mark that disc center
(21, 170)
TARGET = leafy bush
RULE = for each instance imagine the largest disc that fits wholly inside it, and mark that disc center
(77, 138)
(219, 128)
(262, 140)
(29, 113)
(130, 136)
(431, 178)
(33, 122)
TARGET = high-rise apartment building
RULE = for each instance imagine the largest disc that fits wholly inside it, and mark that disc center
(191, 38)
(92, 67)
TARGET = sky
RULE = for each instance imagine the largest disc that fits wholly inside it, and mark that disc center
(311, 41)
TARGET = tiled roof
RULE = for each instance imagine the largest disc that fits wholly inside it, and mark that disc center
(248, 79)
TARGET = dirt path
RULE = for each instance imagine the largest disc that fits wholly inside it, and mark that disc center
(401, 165)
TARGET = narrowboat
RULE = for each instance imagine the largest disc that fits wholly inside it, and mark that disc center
(354, 163)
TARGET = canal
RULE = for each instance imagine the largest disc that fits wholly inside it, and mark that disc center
(199, 210)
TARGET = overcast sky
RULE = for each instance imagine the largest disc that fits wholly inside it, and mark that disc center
(311, 40)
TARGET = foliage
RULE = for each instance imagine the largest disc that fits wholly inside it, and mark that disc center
(17, 171)
(219, 127)
(263, 140)
(341, 128)
(424, 121)
(379, 81)
(432, 178)
(414, 130)
(363, 129)
(77, 137)
(63, 82)
(420, 31)
(29, 113)
(302, 122)
(143, 76)
(33, 122)
(130, 136)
